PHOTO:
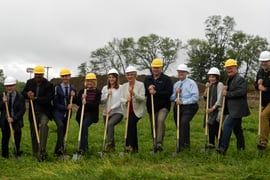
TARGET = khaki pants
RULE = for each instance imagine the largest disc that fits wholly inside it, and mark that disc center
(160, 118)
(265, 117)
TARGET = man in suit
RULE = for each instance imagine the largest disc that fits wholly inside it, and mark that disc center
(41, 92)
(236, 107)
(16, 107)
(63, 92)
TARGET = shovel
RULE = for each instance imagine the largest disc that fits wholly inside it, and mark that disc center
(102, 153)
(126, 128)
(153, 124)
(206, 122)
(221, 120)
(77, 156)
(11, 130)
(177, 128)
(35, 126)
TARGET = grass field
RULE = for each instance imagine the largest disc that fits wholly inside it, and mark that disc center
(191, 164)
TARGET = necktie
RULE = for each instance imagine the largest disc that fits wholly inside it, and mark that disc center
(10, 103)
(66, 94)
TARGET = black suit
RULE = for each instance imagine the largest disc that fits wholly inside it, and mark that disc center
(18, 106)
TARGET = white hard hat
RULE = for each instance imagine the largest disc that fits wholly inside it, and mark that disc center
(131, 69)
(214, 71)
(264, 56)
(9, 81)
(182, 67)
(113, 71)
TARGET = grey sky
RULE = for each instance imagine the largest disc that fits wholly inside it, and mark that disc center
(62, 33)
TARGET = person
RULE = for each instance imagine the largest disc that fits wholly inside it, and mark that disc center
(133, 92)
(91, 101)
(113, 110)
(236, 107)
(62, 105)
(188, 101)
(160, 87)
(214, 104)
(41, 92)
(16, 106)
(262, 84)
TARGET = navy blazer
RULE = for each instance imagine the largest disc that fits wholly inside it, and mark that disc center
(59, 102)
(18, 111)
(236, 99)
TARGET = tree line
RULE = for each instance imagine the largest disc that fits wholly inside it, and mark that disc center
(221, 42)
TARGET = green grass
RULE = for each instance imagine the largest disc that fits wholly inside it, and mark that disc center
(191, 164)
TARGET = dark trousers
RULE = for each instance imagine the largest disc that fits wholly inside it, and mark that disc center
(6, 137)
(213, 132)
(61, 131)
(87, 121)
(186, 114)
(132, 137)
(235, 125)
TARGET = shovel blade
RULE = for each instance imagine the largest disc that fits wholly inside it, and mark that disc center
(76, 157)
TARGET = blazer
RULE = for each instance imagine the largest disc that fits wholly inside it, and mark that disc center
(59, 102)
(138, 98)
(43, 98)
(18, 111)
(236, 99)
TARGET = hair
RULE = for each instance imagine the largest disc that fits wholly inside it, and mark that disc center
(94, 82)
(116, 83)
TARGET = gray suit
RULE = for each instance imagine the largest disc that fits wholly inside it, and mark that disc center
(236, 100)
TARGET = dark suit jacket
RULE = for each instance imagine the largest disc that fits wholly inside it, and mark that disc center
(18, 111)
(43, 101)
(236, 99)
(59, 102)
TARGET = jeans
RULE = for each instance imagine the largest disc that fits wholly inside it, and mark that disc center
(87, 121)
(265, 118)
(160, 118)
(235, 125)
(186, 114)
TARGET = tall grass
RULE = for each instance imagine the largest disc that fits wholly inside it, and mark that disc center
(192, 164)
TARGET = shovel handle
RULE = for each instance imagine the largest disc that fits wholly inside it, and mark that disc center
(34, 121)
(68, 120)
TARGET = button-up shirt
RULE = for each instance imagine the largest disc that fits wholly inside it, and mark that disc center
(189, 91)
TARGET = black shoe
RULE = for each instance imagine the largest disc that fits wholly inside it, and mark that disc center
(19, 153)
(43, 155)
(159, 148)
(261, 147)
(59, 152)
(221, 151)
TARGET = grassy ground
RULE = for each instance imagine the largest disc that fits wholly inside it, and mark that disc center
(191, 164)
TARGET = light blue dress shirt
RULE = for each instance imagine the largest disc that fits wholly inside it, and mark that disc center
(189, 91)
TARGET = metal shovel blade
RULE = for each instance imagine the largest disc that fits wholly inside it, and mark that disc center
(76, 157)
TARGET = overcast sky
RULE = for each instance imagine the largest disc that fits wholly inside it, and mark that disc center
(62, 33)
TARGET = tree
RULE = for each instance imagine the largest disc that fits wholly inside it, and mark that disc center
(153, 46)
(117, 54)
(246, 50)
(2, 79)
(83, 69)
(223, 42)
(120, 53)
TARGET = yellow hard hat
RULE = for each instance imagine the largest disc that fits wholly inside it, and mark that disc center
(157, 63)
(230, 62)
(90, 76)
(39, 69)
(65, 71)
